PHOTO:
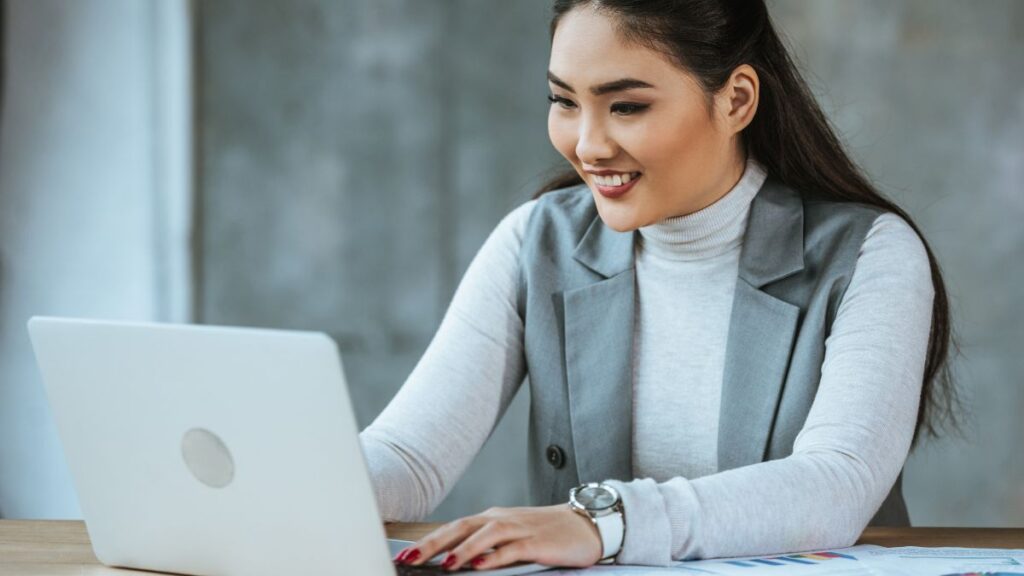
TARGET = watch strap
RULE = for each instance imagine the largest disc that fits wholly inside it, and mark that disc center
(611, 527)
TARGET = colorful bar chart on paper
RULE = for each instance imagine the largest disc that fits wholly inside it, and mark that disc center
(790, 559)
(843, 562)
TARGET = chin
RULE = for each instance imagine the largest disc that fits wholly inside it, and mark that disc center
(618, 218)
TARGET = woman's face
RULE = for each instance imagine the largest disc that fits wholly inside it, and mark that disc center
(636, 126)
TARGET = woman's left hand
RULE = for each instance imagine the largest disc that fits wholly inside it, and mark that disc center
(550, 535)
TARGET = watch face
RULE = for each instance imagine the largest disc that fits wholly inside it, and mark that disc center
(595, 498)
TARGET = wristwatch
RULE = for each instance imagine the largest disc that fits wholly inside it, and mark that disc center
(602, 505)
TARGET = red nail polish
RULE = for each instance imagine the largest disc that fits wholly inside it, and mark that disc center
(476, 562)
(411, 557)
(449, 561)
(400, 557)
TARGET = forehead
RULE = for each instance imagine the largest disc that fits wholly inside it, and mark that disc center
(587, 49)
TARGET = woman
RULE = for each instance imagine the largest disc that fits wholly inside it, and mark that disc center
(724, 325)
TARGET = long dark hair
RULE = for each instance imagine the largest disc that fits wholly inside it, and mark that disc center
(789, 134)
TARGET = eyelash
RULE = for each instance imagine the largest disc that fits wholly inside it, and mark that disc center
(625, 108)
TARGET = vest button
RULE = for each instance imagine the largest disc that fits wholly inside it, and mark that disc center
(555, 456)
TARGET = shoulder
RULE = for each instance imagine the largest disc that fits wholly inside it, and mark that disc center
(880, 236)
(561, 216)
(841, 238)
(893, 249)
(572, 198)
(892, 272)
(889, 229)
(506, 239)
(557, 204)
(570, 204)
(563, 211)
(515, 221)
(835, 232)
(833, 216)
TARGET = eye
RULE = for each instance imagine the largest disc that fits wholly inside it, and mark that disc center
(628, 108)
(563, 102)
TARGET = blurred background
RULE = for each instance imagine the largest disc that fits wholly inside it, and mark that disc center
(334, 165)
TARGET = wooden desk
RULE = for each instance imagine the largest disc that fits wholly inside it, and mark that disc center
(61, 547)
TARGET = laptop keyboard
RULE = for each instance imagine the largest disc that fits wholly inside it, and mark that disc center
(406, 570)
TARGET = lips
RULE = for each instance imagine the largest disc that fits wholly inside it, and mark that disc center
(613, 190)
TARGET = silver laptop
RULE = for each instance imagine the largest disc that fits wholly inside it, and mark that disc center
(213, 451)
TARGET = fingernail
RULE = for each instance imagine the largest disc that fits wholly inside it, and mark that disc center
(449, 561)
(400, 557)
(411, 557)
(476, 562)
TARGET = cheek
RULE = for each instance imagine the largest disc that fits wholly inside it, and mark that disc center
(563, 135)
(679, 143)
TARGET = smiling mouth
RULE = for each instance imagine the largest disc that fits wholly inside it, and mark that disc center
(625, 183)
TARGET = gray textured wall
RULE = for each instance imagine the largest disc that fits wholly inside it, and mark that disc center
(355, 155)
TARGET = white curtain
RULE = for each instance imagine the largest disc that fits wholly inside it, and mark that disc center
(95, 200)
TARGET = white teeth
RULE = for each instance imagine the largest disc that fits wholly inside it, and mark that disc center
(617, 179)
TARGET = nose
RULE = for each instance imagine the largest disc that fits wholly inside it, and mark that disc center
(594, 144)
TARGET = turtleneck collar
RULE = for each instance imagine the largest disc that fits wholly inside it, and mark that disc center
(711, 231)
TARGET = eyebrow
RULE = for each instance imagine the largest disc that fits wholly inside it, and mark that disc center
(606, 88)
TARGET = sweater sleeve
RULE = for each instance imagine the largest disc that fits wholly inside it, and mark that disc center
(847, 455)
(425, 438)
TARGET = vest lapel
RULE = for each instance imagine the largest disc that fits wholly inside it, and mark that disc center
(762, 327)
(599, 355)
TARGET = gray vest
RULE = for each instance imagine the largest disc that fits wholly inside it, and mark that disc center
(576, 299)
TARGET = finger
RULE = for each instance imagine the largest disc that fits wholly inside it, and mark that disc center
(441, 539)
(491, 535)
(518, 551)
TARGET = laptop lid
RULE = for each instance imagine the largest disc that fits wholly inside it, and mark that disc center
(211, 450)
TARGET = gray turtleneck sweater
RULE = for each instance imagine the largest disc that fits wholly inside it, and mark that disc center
(845, 459)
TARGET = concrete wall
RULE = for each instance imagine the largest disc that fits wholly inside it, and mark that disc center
(94, 190)
(353, 158)
(355, 155)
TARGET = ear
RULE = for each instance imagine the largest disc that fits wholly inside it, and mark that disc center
(736, 102)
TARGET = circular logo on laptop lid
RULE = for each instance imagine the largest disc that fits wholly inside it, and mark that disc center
(207, 457)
